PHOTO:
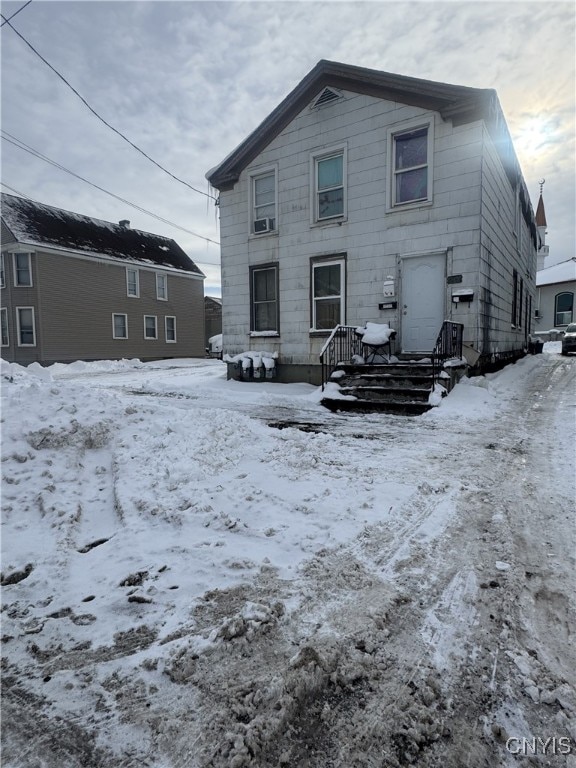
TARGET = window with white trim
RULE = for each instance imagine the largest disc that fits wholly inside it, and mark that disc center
(132, 282)
(328, 294)
(161, 287)
(25, 326)
(150, 327)
(4, 319)
(329, 175)
(263, 202)
(411, 172)
(22, 270)
(264, 298)
(119, 326)
(563, 308)
(170, 329)
(2, 275)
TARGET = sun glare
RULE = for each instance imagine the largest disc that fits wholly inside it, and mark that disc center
(533, 134)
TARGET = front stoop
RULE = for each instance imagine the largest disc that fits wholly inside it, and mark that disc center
(402, 387)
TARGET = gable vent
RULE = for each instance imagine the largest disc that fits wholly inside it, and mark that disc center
(327, 96)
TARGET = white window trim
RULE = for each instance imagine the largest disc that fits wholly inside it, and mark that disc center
(166, 318)
(119, 314)
(4, 312)
(155, 337)
(399, 130)
(137, 294)
(165, 277)
(17, 284)
(323, 154)
(328, 263)
(19, 330)
(253, 174)
(2, 272)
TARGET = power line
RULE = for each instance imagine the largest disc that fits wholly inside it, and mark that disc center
(17, 190)
(83, 100)
(35, 153)
(15, 14)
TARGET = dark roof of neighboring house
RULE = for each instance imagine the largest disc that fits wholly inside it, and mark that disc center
(42, 225)
(459, 103)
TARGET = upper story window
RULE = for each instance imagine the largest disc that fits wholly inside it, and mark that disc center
(263, 196)
(411, 165)
(22, 270)
(25, 326)
(132, 282)
(328, 294)
(2, 275)
(264, 298)
(161, 287)
(330, 185)
(563, 308)
(150, 327)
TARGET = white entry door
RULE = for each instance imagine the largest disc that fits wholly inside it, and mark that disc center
(422, 304)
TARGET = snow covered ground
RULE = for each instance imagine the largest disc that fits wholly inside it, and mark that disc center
(208, 573)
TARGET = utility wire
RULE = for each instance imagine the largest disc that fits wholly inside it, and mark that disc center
(17, 190)
(26, 148)
(15, 14)
(83, 100)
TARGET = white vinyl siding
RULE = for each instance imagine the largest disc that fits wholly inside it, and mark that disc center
(170, 329)
(119, 326)
(150, 327)
(25, 326)
(132, 282)
(22, 270)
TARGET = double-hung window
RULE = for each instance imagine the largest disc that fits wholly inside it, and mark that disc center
(161, 287)
(264, 298)
(411, 171)
(328, 294)
(25, 326)
(150, 327)
(263, 196)
(4, 318)
(132, 282)
(119, 326)
(329, 174)
(22, 270)
(563, 308)
(170, 329)
(2, 275)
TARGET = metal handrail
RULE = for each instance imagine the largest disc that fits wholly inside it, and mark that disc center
(448, 345)
(340, 347)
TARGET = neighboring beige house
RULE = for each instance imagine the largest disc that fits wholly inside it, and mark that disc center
(368, 196)
(555, 296)
(78, 288)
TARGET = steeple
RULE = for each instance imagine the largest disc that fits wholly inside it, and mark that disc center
(541, 226)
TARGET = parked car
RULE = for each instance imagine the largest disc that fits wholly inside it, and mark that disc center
(569, 339)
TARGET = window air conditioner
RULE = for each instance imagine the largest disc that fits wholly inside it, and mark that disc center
(263, 225)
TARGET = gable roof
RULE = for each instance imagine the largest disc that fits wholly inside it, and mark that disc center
(40, 225)
(563, 272)
(459, 103)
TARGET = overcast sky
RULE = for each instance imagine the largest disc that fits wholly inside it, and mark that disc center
(188, 81)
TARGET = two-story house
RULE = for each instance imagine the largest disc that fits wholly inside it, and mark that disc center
(372, 197)
(78, 288)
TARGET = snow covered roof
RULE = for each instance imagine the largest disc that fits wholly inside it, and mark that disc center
(458, 103)
(39, 225)
(563, 272)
